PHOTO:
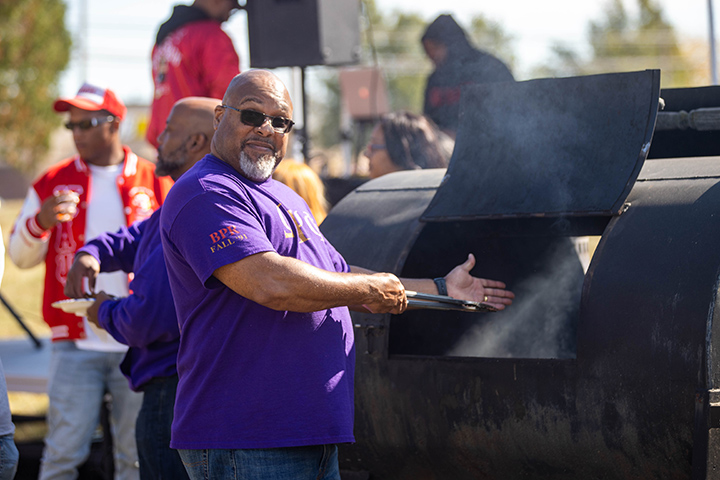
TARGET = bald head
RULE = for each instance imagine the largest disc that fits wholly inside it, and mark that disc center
(197, 113)
(253, 150)
(187, 136)
(258, 82)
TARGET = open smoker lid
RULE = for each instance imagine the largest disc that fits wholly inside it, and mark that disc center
(555, 147)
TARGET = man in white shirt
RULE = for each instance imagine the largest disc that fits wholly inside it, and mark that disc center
(102, 188)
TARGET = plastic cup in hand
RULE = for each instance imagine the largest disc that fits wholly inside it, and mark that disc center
(66, 207)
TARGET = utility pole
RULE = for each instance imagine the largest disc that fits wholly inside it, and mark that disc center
(83, 37)
(713, 61)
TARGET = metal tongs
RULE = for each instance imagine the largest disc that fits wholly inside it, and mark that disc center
(442, 302)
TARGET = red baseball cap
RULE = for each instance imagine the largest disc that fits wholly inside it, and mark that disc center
(93, 98)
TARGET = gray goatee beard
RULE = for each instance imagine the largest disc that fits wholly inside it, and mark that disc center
(259, 170)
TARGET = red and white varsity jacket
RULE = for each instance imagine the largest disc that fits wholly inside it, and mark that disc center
(141, 193)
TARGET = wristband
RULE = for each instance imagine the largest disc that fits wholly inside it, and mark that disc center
(35, 229)
(441, 285)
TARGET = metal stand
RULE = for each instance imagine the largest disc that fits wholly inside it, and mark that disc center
(20, 321)
(305, 140)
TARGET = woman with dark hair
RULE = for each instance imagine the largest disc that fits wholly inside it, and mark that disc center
(405, 141)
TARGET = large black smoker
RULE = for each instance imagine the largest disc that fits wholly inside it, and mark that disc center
(609, 373)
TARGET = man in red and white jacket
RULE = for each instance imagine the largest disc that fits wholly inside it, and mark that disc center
(102, 188)
(192, 57)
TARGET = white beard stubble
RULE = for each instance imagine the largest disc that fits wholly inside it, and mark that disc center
(259, 170)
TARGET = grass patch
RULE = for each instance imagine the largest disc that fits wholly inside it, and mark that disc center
(22, 289)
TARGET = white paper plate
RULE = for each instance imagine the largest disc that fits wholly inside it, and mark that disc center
(78, 306)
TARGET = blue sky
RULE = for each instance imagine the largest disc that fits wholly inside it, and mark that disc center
(120, 34)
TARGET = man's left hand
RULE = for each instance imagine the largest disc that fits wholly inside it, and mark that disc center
(462, 285)
(92, 311)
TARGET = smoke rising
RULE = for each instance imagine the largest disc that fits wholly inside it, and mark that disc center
(541, 323)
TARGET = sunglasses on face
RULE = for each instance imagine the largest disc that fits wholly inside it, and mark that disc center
(374, 147)
(89, 123)
(257, 119)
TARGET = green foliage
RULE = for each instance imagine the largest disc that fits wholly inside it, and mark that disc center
(620, 42)
(489, 35)
(324, 116)
(34, 50)
(393, 44)
(564, 62)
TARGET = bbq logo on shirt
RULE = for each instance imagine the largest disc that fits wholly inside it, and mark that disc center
(225, 237)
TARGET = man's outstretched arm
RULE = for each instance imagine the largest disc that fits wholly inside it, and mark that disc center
(460, 285)
(285, 283)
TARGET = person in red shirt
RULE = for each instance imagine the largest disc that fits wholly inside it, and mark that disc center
(192, 56)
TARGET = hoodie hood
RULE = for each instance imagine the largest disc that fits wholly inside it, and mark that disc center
(444, 29)
(182, 15)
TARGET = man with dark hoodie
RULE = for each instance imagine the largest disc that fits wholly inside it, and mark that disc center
(457, 63)
(192, 56)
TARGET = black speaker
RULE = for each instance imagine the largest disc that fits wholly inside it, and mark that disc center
(299, 33)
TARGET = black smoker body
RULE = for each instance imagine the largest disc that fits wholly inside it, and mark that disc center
(608, 374)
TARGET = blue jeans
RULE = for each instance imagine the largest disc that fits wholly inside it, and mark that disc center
(157, 460)
(8, 457)
(318, 462)
(78, 381)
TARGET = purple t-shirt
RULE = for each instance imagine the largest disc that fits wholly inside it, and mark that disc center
(250, 376)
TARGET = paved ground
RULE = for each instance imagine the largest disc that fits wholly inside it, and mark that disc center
(26, 366)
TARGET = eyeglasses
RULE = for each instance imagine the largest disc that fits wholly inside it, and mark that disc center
(257, 119)
(372, 147)
(90, 123)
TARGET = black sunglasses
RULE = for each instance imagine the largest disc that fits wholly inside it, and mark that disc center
(88, 124)
(257, 119)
